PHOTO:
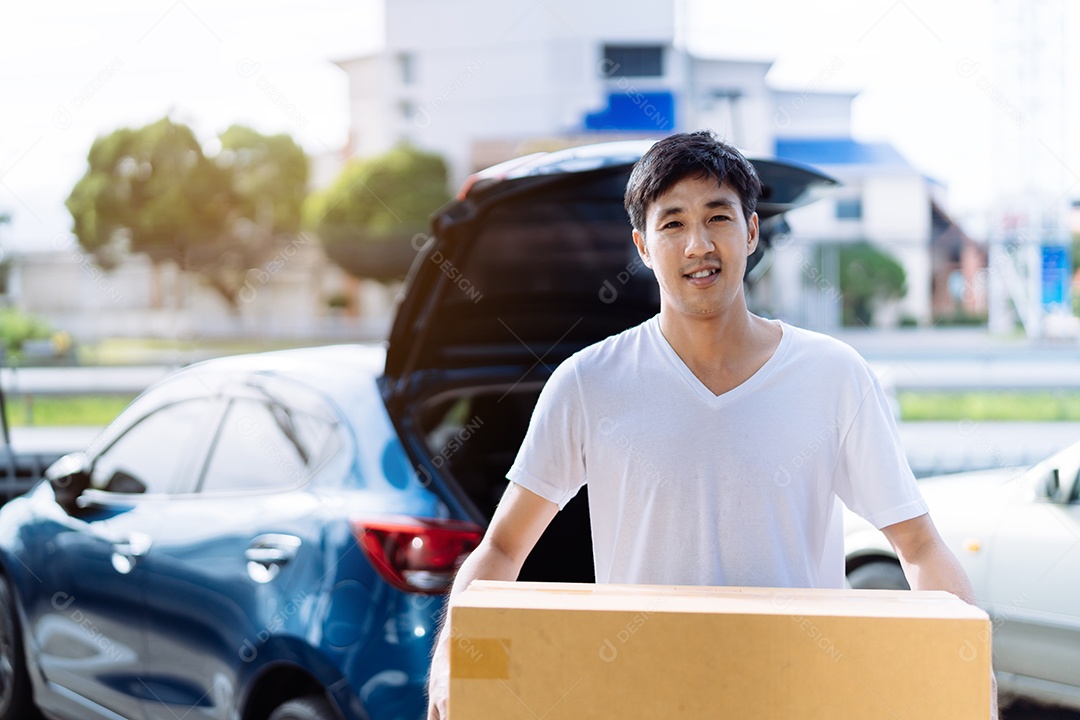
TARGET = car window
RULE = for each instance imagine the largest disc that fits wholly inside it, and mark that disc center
(532, 262)
(151, 456)
(263, 446)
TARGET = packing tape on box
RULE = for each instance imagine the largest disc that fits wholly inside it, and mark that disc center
(479, 658)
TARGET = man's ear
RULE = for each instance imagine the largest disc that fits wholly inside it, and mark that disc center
(642, 248)
(752, 240)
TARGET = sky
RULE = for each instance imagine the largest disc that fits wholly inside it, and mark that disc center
(70, 71)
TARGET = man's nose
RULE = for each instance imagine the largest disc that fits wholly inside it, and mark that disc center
(698, 242)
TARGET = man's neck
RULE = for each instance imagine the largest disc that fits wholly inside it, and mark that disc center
(722, 351)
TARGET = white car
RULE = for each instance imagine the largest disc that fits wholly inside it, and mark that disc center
(1017, 534)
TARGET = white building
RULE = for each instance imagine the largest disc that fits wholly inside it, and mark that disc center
(457, 77)
(882, 200)
(480, 82)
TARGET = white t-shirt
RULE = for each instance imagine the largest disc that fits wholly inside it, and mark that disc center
(740, 489)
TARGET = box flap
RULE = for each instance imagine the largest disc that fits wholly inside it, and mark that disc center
(704, 599)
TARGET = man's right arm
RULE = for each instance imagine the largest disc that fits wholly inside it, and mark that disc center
(519, 521)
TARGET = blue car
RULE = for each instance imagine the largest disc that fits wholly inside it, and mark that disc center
(269, 537)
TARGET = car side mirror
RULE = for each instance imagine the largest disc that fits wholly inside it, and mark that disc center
(1051, 484)
(1058, 485)
(69, 477)
(121, 482)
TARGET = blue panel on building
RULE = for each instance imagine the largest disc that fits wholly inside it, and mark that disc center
(839, 151)
(1056, 274)
(632, 110)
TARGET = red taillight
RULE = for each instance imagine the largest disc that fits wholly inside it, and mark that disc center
(417, 555)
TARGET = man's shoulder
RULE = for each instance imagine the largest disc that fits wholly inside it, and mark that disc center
(821, 345)
(604, 366)
(616, 349)
(824, 352)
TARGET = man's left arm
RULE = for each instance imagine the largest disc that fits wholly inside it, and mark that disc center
(927, 561)
(930, 565)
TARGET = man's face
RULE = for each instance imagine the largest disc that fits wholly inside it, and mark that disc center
(696, 240)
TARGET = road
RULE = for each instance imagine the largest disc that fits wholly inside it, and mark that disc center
(966, 358)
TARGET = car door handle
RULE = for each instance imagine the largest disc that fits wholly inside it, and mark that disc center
(267, 553)
(272, 549)
(128, 549)
(135, 544)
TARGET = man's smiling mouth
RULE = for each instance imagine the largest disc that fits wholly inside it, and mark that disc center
(703, 273)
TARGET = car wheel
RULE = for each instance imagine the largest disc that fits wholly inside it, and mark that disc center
(312, 707)
(16, 698)
(878, 575)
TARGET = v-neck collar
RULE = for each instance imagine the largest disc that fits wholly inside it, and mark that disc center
(699, 387)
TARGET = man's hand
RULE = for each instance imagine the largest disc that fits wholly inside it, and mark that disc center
(439, 680)
(930, 565)
(519, 521)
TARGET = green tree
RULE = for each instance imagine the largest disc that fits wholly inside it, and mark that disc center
(153, 190)
(868, 277)
(268, 177)
(368, 216)
(150, 190)
(16, 327)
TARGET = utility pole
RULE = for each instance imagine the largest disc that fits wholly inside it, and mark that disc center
(1029, 266)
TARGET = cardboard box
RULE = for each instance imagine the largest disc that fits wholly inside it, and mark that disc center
(569, 652)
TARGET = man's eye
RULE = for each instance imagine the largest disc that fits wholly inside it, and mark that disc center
(672, 224)
(721, 217)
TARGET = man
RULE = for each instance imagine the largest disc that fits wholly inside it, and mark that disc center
(716, 443)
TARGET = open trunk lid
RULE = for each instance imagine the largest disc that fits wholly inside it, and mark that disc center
(534, 261)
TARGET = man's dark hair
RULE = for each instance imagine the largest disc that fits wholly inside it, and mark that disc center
(699, 153)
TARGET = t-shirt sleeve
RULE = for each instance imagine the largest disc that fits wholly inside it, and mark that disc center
(873, 477)
(551, 461)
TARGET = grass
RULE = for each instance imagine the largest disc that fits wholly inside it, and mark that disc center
(986, 405)
(915, 406)
(64, 410)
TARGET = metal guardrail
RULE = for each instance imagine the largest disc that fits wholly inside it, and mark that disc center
(20, 472)
(22, 386)
(80, 380)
